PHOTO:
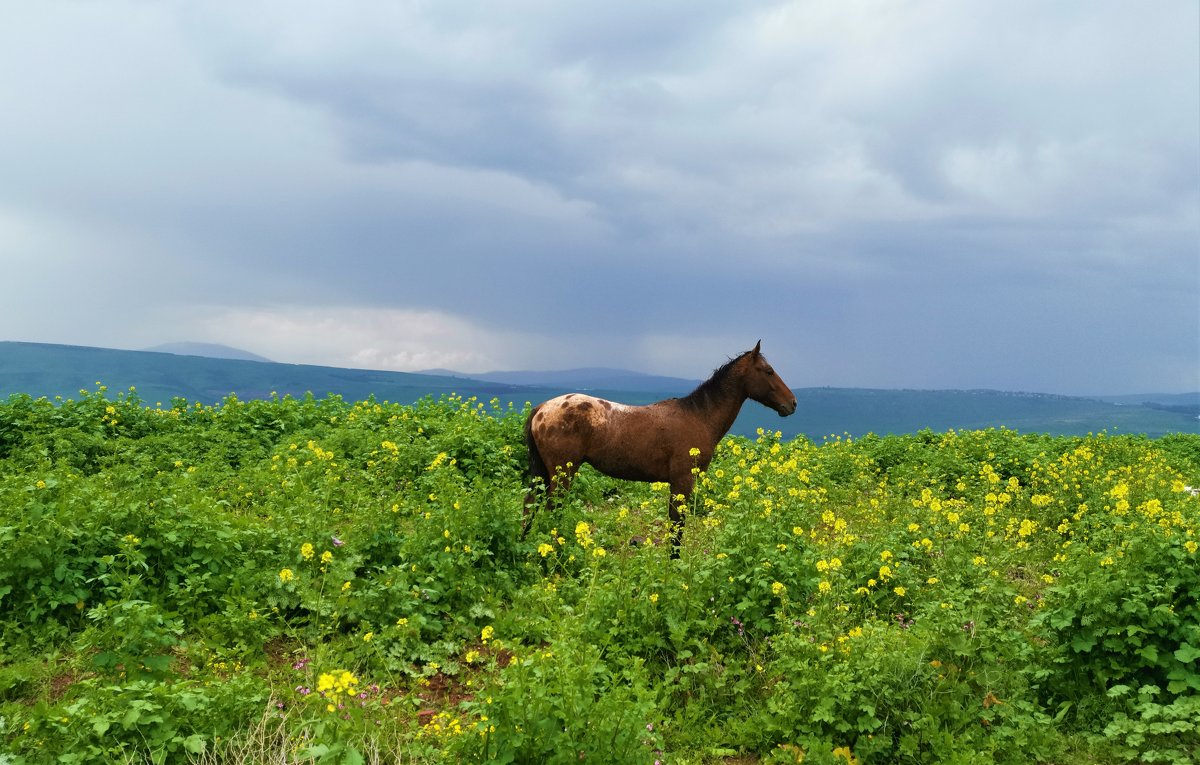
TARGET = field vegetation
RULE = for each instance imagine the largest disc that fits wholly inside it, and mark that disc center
(318, 580)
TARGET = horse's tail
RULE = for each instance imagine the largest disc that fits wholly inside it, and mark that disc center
(537, 466)
(537, 470)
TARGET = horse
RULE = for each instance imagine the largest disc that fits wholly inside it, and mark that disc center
(659, 442)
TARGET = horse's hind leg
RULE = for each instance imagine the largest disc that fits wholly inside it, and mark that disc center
(531, 504)
(553, 484)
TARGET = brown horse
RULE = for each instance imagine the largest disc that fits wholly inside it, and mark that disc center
(657, 442)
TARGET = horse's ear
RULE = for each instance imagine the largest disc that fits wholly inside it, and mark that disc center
(756, 347)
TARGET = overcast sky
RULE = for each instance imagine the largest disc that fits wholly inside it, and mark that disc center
(910, 193)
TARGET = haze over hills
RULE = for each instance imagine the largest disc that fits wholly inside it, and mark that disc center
(207, 350)
(58, 370)
(587, 378)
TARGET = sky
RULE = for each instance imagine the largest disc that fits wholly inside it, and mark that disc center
(889, 194)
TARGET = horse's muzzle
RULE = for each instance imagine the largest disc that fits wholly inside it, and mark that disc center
(787, 409)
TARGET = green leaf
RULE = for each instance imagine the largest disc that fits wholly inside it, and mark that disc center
(1083, 642)
(1187, 653)
(194, 743)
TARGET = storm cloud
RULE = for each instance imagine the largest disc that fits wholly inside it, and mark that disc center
(922, 194)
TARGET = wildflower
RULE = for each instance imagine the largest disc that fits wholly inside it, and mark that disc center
(778, 588)
(326, 557)
(654, 597)
(545, 549)
(367, 637)
(583, 534)
(900, 591)
(694, 452)
(487, 633)
(1190, 546)
(599, 552)
(306, 551)
(286, 575)
(824, 586)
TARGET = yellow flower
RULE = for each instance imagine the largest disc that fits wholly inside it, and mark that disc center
(599, 552)
(824, 586)
(545, 549)
(286, 575)
(900, 591)
(326, 557)
(1190, 545)
(654, 597)
(694, 452)
(778, 588)
(367, 637)
(487, 633)
(306, 551)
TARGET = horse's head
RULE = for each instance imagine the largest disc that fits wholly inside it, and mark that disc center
(764, 386)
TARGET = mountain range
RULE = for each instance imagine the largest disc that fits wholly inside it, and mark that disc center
(38, 369)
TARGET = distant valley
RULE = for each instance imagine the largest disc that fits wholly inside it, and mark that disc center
(186, 372)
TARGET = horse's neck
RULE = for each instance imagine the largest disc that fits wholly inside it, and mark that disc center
(719, 413)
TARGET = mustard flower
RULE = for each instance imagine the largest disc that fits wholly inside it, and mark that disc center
(286, 575)
(306, 551)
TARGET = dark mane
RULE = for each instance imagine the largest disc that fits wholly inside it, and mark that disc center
(716, 386)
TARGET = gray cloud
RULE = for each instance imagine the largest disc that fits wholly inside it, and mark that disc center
(932, 194)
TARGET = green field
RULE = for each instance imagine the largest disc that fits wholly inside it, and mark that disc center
(316, 580)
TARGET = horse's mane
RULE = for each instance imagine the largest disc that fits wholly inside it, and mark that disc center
(716, 386)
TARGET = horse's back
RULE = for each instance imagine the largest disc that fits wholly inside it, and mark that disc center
(575, 414)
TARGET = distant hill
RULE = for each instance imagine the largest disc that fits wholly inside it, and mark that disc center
(60, 370)
(588, 378)
(207, 350)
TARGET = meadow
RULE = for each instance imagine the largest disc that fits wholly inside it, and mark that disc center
(318, 580)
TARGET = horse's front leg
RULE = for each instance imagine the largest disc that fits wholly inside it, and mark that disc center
(681, 494)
